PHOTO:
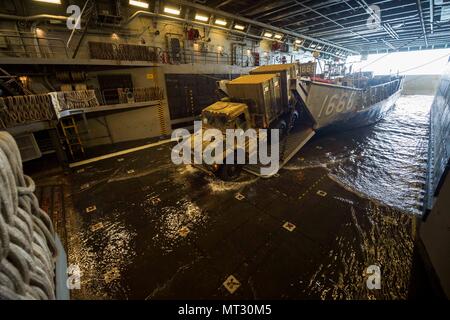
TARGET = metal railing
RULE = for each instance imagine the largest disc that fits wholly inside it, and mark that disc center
(188, 56)
(383, 91)
(30, 45)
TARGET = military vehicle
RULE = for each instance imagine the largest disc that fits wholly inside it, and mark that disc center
(280, 97)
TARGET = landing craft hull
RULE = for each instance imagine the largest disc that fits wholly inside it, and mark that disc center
(365, 117)
(339, 107)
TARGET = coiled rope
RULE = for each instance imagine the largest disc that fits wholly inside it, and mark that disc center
(27, 244)
(24, 109)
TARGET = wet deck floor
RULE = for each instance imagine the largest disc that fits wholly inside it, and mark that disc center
(140, 227)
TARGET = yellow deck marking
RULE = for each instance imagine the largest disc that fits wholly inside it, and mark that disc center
(289, 226)
(184, 231)
(97, 226)
(321, 193)
(231, 284)
(239, 196)
(309, 189)
(91, 208)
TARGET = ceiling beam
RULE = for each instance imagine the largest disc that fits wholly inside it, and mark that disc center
(422, 23)
(431, 15)
(331, 20)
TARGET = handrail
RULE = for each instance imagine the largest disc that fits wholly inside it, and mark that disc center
(38, 45)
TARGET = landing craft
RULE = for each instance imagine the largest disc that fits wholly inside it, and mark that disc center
(297, 102)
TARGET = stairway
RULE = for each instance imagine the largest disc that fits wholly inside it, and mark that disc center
(14, 87)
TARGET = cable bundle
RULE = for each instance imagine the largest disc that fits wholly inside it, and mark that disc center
(27, 239)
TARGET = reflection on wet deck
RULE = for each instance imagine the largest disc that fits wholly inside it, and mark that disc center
(140, 227)
(162, 231)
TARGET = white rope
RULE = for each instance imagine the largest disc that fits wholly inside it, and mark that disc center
(27, 245)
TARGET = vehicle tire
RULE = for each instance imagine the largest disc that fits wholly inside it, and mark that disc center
(229, 172)
(283, 127)
(295, 116)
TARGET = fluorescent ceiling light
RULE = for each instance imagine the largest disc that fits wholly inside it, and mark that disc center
(278, 36)
(140, 4)
(173, 11)
(268, 35)
(298, 41)
(239, 27)
(50, 1)
(200, 17)
(221, 22)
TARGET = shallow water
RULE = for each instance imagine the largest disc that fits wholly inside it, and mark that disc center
(385, 161)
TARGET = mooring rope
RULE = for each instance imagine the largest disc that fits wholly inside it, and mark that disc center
(27, 239)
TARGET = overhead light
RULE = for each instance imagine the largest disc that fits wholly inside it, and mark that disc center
(278, 36)
(140, 4)
(200, 17)
(298, 41)
(268, 35)
(221, 22)
(50, 1)
(171, 10)
(239, 27)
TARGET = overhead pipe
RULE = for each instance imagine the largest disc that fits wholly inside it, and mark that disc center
(33, 18)
(294, 13)
(197, 6)
(334, 31)
(242, 33)
(247, 21)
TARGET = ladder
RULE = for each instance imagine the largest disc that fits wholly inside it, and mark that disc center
(72, 136)
(13, 86)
